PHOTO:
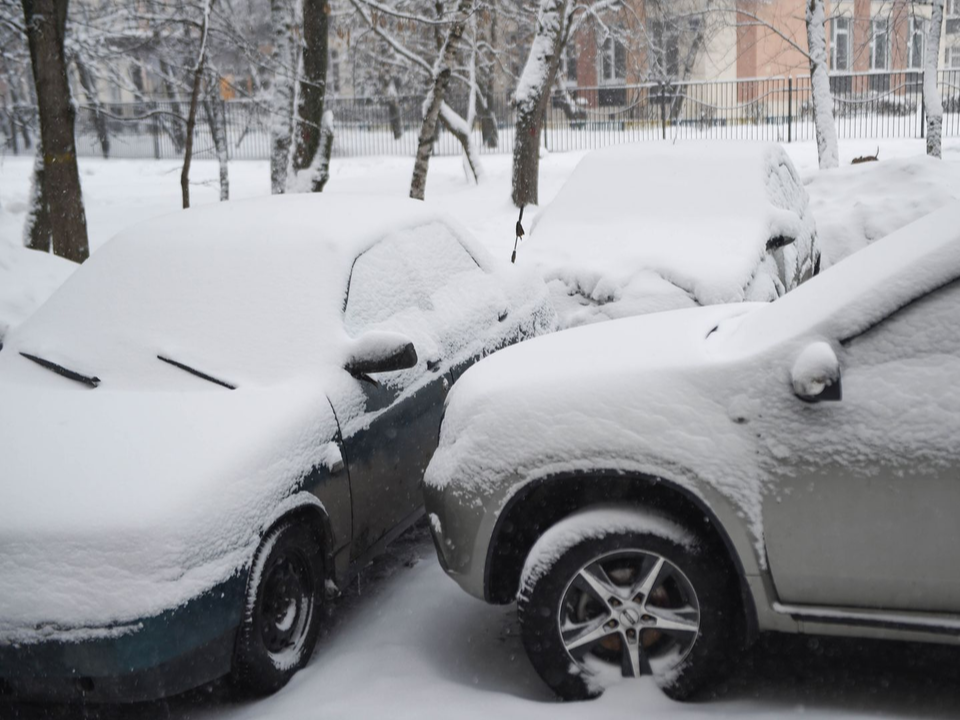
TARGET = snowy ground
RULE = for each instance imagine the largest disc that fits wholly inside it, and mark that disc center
(404, 641)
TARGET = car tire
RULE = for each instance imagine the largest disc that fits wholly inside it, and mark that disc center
(619, 547)
(282, 612)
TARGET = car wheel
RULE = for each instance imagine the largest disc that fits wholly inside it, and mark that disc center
(618, 593)
(282, 613)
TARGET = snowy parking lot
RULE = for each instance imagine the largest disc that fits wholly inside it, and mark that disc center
(402, 640)
(405, 642)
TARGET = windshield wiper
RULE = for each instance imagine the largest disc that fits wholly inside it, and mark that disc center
(194, 371)
(89, 381)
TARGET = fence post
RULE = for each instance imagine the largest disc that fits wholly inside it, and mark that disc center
(663, 109)
(790, 109)
(923, 107)
(156, 130)
(546, 114)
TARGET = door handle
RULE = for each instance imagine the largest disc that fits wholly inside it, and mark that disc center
(433, 364)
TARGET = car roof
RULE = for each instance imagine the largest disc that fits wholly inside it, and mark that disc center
(698, 214)
(213, 287)
(863, 288)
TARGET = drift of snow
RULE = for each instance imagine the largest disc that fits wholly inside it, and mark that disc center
(641, 228)
(595, 522)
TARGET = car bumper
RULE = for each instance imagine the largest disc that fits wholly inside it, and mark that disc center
(163, 655)
(462, 526)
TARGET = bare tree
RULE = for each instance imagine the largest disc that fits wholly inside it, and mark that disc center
(57, 220)
(434, 100)
(532, 96)
(828, 152)
(194, 101)
(932, 105)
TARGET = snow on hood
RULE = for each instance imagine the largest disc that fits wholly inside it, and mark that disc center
(698, 215)
(626, 395)
(117, 505)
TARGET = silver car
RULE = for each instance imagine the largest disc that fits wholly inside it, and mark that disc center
(657, 490)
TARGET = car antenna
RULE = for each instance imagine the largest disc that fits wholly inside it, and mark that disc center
(513, 257)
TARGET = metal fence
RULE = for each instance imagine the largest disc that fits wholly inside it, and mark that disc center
(866, 105)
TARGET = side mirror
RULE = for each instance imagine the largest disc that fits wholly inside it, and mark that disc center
(816, 374)
(377, 352)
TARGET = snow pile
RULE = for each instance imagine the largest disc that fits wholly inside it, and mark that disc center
(859, 204)
(27, 278)
(656, 227)
(595, 522)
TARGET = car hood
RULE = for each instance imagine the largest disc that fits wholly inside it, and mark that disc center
(116, 505)
(641, 394)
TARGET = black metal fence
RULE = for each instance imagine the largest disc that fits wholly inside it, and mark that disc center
(866, 105)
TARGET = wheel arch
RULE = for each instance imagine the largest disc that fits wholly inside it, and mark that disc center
(306, 508)
(544, 502)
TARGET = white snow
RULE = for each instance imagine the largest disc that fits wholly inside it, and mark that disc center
(160, 482)
(595, 522)
(815, 368)
(646, 227)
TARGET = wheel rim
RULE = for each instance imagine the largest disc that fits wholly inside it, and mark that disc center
(631, 611)
(286, 604)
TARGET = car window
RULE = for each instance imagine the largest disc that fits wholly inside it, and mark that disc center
(925, 327)
(401, 274)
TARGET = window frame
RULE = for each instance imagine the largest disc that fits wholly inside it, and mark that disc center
(835, 32)
(917, 27)
(875, 23)
(608, 54)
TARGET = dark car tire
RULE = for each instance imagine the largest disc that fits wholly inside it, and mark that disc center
(282, 612)
(544, 601)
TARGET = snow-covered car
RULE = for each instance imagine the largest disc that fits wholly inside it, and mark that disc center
(216, 418)
(653, 490)
(648, 227)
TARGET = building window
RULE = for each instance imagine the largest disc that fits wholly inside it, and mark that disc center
(915, 42)
(665, 43)
(952, 59)
(613, 66)
(879, 44)
(840, 44)
(568, 69)
(953, 8)
(335, 70)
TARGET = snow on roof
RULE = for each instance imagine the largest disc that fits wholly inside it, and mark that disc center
(863, 288)
(700, 215)
(212, 287)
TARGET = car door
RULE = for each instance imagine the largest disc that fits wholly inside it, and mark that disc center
(394, 286)
(865, 508)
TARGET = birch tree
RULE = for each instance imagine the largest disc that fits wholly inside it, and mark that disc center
(532, 96)
(828, 151)
(433, 103)
(932, 106)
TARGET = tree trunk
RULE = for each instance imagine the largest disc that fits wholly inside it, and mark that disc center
(394, 111)
(827, 150)
(37, 232)
(932, 106)
(194, 99)
(89, 85)
(173, 129)
(281, 120)
(216, 120)
(532, 96)
(434, 100)
(460, 129)
(313, 87)
(58, 198)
